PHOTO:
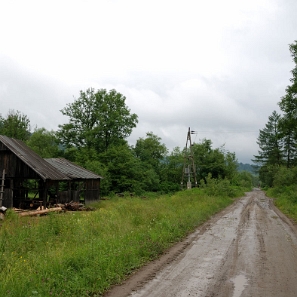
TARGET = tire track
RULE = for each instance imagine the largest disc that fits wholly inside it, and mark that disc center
(249, 249)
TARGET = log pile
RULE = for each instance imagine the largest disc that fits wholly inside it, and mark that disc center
(39, 212)
(75, 206)
(71, 206)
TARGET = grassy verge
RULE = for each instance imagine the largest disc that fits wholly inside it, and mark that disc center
(285, 198)
(83, 253)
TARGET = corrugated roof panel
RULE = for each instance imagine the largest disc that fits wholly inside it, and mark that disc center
(72, 170)
(33, 160)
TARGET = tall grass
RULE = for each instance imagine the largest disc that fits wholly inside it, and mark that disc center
(285, 198)
(84, 253)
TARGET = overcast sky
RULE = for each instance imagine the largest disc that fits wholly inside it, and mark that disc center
(219, 67)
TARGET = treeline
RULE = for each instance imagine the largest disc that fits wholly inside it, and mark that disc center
(95, 137)
(277, 155)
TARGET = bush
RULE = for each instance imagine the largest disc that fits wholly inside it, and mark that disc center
(284, 176)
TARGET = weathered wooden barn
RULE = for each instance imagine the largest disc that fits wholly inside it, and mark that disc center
(23, 173)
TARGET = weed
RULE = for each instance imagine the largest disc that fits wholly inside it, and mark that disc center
(84, 253)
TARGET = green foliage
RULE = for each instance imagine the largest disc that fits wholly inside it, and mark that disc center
(216, 187)
(217, 162)
(15, 125)
(89, 159)
(284, 176)
(97, 120)
(244, 179)
(270, 142)
(44, 143)
(285, 198)
(288, 105)
(266, 175)
(278, 140)
(95, 138)
(247, 167)
(151, 154)
(84, 253)
(123, 168)
(150, 150)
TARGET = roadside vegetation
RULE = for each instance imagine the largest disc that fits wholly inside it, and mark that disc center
(277, 158)
(95, 137)
(83, 253)
(284, 191)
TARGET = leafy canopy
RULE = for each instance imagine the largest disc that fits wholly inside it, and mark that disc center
(15, 125)
(44, 143)
(97, 119)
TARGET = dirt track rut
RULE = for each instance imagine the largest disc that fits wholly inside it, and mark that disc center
(249, 249)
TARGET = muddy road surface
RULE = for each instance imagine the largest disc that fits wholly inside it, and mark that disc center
(249, 249)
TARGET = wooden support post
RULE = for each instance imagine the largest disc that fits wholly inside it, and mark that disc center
(2, 187)
(44, 195)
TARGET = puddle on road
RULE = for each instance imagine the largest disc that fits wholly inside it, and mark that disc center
(240, 281)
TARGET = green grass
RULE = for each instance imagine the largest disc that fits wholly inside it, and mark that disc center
(285, 198)
(84, 253)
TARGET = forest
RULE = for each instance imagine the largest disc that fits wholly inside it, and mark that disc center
(277, 155)
(95, 138)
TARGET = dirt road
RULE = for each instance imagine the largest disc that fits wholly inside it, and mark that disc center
(249, 249)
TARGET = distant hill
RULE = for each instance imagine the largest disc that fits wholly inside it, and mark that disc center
(246, 167)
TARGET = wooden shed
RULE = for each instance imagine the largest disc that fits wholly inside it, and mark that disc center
(23, 173)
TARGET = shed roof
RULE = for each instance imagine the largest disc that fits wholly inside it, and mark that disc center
(44, 169)
(72, 170)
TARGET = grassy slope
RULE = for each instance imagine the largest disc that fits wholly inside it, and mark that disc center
(83, 253)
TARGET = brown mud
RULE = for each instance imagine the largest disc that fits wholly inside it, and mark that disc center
(248, 249)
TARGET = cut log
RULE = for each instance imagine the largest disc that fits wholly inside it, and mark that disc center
(37, 212)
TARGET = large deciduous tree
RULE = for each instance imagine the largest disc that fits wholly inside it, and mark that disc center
(15, 125)
(97, 119)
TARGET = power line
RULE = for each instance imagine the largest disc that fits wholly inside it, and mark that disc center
(237, 131)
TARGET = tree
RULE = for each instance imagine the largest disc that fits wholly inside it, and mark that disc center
(124, 170)
(289, 138)
(270, 142)
(44, 143)
(278, 140)
(151, 153)
(217, 162)
(15, 125)
(231, 166)
(288, 105)
(244, 179)
(97, 120)
(150, 149)
(172, 170)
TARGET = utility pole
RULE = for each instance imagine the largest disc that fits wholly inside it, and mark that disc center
(189, 168)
